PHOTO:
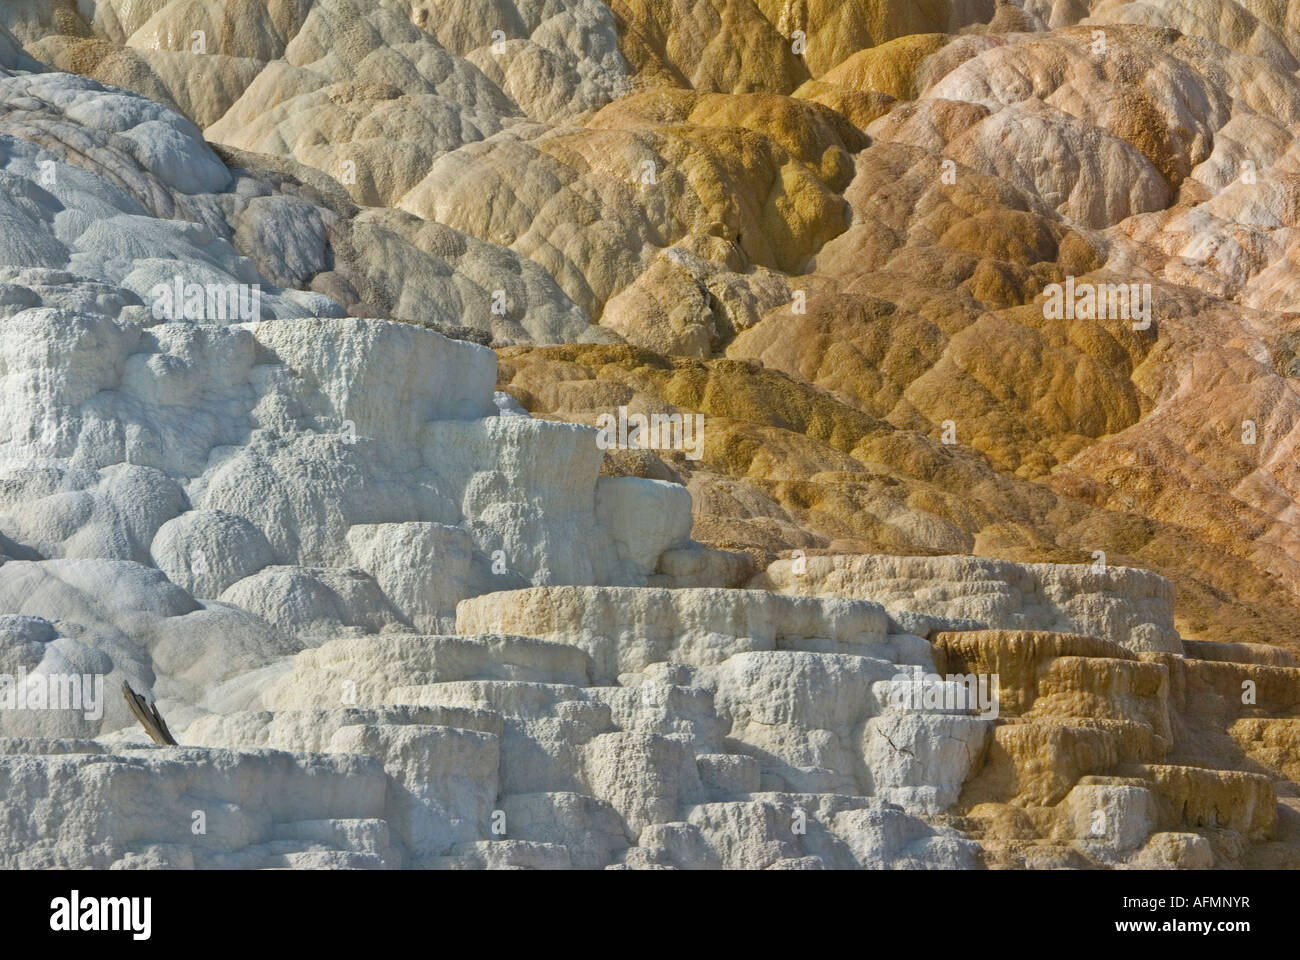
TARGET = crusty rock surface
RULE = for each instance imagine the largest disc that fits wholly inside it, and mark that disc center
(351, 529)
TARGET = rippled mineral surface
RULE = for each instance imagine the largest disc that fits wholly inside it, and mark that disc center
(754, 434)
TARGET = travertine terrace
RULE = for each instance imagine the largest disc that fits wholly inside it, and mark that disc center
(314, 315)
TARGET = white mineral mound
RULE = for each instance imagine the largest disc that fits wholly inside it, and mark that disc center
(109, 186)
(185, 501)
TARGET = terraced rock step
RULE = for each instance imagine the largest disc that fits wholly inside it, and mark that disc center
(737, 739)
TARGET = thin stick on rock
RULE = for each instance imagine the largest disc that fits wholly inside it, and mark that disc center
(148, 715)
